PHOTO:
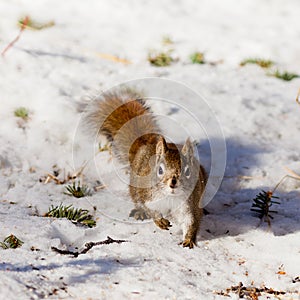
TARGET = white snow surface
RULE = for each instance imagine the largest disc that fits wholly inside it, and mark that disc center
(54, 70)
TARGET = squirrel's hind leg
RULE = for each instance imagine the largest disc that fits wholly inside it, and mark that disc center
(190, 228)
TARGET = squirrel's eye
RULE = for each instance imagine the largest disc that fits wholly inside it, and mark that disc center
(187, 171)
(161, 170)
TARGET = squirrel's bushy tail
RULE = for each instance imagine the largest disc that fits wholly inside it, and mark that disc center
(122, 117)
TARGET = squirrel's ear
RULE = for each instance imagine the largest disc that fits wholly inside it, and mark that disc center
(188, 149)
(161, 146)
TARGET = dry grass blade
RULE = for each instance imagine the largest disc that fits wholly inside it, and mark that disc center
(263, 63)
(113, 58)
(293, 174)
(99, 187)
(31, 24)
(106, 56)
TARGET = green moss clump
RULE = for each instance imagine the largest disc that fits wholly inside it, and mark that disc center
(197, 58)
(22, 112)
(263, 63)
(160, 59)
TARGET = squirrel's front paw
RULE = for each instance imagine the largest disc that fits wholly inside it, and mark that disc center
(139, 214)
(163, 223)
(188, 242)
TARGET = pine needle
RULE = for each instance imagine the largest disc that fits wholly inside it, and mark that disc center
(12, 242)
(262, 203)
(286, 76)
(76, 215)
(78, 191)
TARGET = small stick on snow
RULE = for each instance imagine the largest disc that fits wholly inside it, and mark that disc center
(100, 187)
(298, 97)
(26, 20)
(79, 172)
(66, 178)
(57, 181)
(88, 246)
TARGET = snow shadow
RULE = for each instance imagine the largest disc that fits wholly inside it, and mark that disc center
(99, 266)
(88, 267)
(228, 213)
(241, 157)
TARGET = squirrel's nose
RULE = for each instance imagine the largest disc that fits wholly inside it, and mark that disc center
(173, 182)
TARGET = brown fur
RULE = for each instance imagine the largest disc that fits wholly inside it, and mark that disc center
(110, 114)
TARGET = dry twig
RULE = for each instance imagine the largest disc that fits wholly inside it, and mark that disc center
(65, 179)
(23, 27)
(88, 246)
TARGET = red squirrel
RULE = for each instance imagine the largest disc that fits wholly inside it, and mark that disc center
(166, 180)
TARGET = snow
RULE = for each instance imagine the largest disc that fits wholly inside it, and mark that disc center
(53, 71)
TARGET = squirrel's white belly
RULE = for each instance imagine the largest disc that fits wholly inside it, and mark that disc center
(168, 204)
